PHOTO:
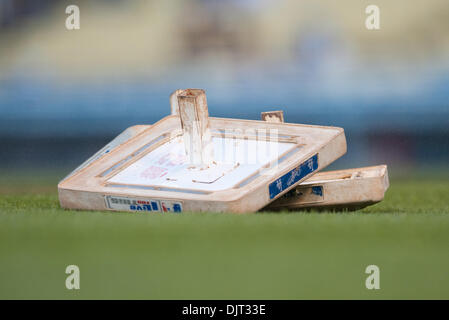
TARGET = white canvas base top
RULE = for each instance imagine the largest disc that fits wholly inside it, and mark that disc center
(235, 159)
(245, 173)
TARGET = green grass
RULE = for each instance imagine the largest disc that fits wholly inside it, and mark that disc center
(222, 256)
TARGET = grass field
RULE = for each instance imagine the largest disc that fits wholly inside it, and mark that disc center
(220, 256)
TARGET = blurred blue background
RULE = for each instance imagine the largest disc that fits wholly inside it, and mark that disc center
(64, 94)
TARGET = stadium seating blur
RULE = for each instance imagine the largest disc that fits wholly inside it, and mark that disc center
(64, 94)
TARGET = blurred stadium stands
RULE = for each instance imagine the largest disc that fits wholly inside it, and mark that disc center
(64, 94)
